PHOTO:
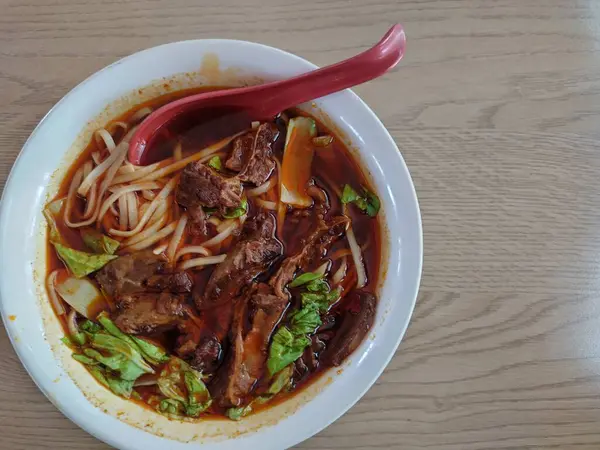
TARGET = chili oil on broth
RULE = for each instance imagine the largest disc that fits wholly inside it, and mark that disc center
(322, 164)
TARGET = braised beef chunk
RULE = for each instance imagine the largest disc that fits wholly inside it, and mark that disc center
(356, 323)
(129, 273)
(139, 272)
(202, 345)
(242, 147)
(265, 300)
(313, 248)
(309, 357)
(189, 335)
(207, 355)
(300, 369)
(201, 185)
(260, 163)
(219, 385)
(197, 224)
(176, 282)
(248, 353)
(250, 257)
(319, 195)
(319, 243)
(145, 292)
(261, 226)
(145, 313)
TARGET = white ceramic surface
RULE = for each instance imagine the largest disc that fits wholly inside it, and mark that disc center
(22, 254)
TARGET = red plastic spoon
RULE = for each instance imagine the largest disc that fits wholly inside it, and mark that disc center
(265, 101)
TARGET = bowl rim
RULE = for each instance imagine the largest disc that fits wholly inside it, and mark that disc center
(288, 440)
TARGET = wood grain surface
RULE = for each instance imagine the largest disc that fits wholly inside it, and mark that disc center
(496, 110)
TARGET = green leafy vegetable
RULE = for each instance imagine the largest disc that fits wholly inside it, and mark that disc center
(304, 321)
(319, 296)
(112, 328)
(123, 358)
(243, 411)
(305, 278)
(285, 349)
(237, 212)
(320, 300)
(108, 356)
(152, 353)
(373, 203)
(238, 413)
(198, 396)
(68, 342)
(320, 286)
(289, 341)
(334, 295)
(78, 338)
(120, 387)
(90, 327)
(117, 359)
(312, 299)
(98, 374)
(171, 407)
(182, 384)
(215, 163)
(368, 202)
(194, 410)
(84, 359)
(112, 362)
(349, 195)
(170, 382)
(281, 380)
(81, 263)
(98, 242)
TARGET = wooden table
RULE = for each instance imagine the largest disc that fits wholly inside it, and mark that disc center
(496, 110)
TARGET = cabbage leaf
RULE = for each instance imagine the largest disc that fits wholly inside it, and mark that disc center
(99, 242)
(81, 263)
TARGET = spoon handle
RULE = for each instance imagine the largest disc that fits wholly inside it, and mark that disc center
(370, 64)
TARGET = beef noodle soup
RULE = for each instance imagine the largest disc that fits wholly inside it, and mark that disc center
(225, 276)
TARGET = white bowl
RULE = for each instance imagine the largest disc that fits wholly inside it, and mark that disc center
(63, 133)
